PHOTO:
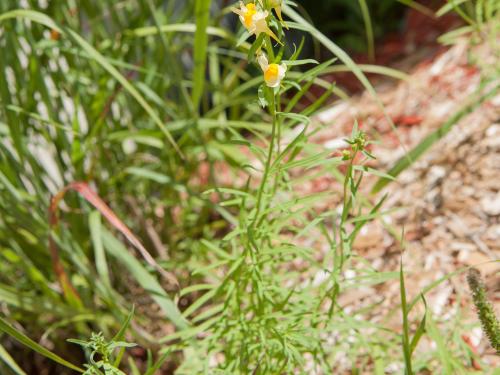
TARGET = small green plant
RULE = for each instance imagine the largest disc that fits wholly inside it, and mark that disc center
(485, 310)
(101, 354)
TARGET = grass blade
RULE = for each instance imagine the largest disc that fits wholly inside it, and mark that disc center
(202, 13)
(418, 7)
(14, 333)
(370, 39)
(121, 334)
(100, 256)
(158, 364)
(420, 330)
(9, 361)
(334, 48)
(406, 328)
(101, 60)
(34, 16)
(302, 24)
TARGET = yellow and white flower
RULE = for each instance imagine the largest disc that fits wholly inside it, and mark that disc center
(273, 73)
(254, 20)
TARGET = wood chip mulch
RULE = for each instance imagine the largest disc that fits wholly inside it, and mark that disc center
(448, 202)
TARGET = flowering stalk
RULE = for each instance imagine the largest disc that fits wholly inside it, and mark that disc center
(485, 311)
(254, 17)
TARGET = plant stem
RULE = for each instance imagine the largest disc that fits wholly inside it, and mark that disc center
(272, 110)
(345, 207)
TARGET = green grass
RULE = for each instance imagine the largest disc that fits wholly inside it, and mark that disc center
(120, 122)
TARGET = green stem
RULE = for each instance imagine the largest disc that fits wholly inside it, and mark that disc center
(278, 142)
(272, 110)
(278, 109)
(345, 207)
(275, 106)
(269, 48)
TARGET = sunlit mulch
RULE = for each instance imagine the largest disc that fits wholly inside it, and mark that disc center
(448, 202)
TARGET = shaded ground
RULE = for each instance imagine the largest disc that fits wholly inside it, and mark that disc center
(417, 40)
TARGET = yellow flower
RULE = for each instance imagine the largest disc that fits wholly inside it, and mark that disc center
(254, 20)
(273, 73)
(247, 17)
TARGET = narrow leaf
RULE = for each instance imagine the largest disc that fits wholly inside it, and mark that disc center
(25, 340)
(202, 13)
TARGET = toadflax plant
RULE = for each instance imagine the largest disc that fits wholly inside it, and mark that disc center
(270, 306)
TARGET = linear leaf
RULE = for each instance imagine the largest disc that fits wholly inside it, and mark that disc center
(25, 340)
(202, 13)
(9, 361)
